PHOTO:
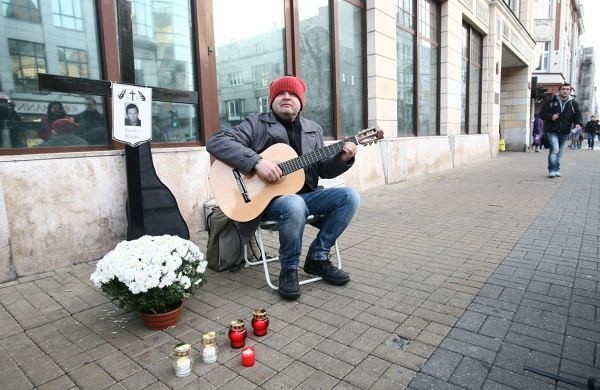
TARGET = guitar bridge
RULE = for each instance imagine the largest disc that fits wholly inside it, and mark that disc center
(241, 185)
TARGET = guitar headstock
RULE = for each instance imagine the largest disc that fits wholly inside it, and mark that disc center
(369, 136)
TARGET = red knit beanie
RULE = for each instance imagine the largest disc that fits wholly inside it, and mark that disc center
(64, 126)
(292, 84)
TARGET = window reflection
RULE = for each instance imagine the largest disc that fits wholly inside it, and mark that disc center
(351, 67)
(249, 56)
(428, 58)
(464, 77)
(67, 14)
(315, 49)
(405, 75)
(27, 115)
(427, 38)
(162, 44)
(27, 59)
(475, 83)
(174, 122)
(24, 10)
(472, 48)
(163, 57)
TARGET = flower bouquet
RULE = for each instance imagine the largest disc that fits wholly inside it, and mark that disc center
(152, 274)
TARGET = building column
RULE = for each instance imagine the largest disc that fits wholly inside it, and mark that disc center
(450, 65)
(514, 109)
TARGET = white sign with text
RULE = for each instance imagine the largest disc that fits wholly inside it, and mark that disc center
(132, 114)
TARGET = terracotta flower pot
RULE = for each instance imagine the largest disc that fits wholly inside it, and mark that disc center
(162, 320)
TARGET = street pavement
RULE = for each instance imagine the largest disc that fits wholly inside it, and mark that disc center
(480, 277)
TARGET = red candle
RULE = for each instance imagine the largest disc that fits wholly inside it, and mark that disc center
(237, 333)
(248, 356)
(260, 322)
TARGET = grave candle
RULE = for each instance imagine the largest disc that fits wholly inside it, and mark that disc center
(248, 356)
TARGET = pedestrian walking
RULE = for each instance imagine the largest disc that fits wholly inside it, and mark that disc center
(575, 138)
(559, 113)
(592, 128)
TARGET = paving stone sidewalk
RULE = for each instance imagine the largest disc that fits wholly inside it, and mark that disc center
(459, 280)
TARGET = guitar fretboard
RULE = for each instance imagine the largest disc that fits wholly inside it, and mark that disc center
(307, 159)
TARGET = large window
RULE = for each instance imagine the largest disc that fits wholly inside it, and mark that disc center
(163, 52)
(315, 50)
(542, 55)
(351, 67)
(176, 44)
(250, 56)
(244, 82)
(417, 33)
(472, 47)
(30, 118)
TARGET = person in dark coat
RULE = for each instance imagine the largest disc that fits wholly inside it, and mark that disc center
(241, 146)
(92, 126)
(591, 129)
(559, 113)
(11, 121)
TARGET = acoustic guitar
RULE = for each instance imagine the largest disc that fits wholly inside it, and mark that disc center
(243, 197)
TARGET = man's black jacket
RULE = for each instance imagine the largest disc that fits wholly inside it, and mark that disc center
(592, 127)
(570, 115)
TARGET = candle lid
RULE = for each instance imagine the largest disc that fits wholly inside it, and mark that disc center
(182, 349)
(259, 313)
(237, 324)
(209, 338)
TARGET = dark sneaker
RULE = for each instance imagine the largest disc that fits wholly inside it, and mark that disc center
(289, 288)
(325, 269)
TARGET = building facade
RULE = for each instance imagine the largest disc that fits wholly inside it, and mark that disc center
(558, 25)
(443, 79)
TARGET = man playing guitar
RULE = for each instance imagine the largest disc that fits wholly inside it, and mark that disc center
(240, 147)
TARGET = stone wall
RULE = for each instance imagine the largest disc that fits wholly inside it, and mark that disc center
(63, 209)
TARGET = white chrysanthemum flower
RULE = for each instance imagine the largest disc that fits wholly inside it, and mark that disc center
(185, 282)
(150, 262)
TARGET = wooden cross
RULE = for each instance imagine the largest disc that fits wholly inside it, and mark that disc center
(48, 82)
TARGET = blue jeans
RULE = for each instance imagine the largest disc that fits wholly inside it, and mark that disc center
(338, 205)
(558, 142)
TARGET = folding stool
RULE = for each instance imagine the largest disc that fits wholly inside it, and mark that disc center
(264, 259)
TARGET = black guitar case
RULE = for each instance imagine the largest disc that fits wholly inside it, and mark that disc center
(161, 213)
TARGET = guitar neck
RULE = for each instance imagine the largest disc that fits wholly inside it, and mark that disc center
(308, 159)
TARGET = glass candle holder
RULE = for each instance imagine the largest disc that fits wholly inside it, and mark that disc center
(260, 322)
(182, 359)
(209, 347)
(248, 356)
(237, 333)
